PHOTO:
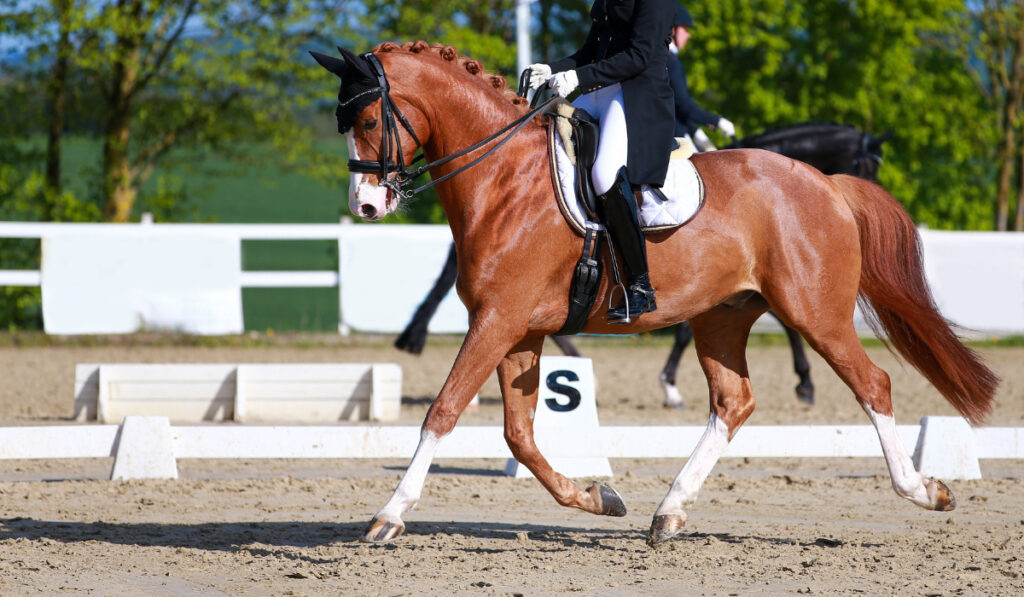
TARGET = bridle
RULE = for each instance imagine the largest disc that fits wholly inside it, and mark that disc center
(397, 177)
(863, 154)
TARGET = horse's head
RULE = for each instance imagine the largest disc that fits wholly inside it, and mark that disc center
(869, 156)
(381, 128)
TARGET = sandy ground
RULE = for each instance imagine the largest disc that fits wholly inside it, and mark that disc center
(765, 526)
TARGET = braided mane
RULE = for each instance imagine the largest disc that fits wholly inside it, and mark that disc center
(450, 54)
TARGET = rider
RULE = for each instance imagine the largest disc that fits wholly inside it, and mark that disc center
(622, 75)
(689, 115)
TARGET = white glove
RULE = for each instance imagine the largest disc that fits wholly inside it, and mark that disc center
(539, 74)
(700, 139)
(728, 129)
(564, 83)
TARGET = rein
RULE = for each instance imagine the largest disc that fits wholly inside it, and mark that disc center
(383, 167)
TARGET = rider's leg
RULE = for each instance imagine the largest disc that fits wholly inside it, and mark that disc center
(619, 202)
(623, 223)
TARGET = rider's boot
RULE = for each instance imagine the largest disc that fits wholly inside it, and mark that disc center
(620, 207)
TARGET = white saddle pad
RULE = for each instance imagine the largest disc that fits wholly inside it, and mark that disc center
(683, 188)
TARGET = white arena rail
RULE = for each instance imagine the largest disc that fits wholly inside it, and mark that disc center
(148, 447)
(250, 279)
(977, 277)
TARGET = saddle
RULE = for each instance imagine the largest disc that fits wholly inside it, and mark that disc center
(579, 133)
(573, 136)
(572, 151)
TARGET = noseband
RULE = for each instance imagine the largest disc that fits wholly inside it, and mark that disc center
(403, 177)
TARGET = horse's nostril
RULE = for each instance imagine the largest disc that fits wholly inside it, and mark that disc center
(367, 211)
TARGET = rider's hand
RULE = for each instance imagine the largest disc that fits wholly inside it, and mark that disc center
(700, 139)
(539, 74)
(728, 129)
(564, 83)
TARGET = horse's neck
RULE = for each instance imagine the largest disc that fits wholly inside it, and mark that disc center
(461, 119)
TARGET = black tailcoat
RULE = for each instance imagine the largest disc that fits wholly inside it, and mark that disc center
(626, 45)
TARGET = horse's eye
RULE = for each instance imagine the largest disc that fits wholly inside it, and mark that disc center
(369, 124)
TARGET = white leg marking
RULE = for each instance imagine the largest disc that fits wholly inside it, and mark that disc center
(411, 486)
(673, 399)
(905, 479)
(689, 480)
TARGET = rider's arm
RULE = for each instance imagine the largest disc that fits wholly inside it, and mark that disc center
(647, 37)
(686, 108)
(583, 56)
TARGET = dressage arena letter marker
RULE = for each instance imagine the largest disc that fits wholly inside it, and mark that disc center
(565, 399)
(946, 449)
(145, 450)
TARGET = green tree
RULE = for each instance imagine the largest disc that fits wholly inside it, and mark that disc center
(184, 75)
(879, 65)
(483, 29)
(994, 58)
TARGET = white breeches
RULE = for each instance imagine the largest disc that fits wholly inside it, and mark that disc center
(607, 107)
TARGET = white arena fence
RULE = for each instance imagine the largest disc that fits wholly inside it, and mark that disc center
(149, 447)
(121, 278)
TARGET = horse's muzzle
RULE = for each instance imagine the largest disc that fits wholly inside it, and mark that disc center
(373, 202)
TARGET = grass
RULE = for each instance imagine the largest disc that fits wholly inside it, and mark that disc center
(217, 189)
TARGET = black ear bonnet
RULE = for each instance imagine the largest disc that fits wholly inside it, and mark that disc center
(359, 86)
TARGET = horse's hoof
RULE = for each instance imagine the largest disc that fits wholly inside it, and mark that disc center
(673, 399)
(608, 500)
(941, 497)
(805, 394)
(664, 528)
(382, 531)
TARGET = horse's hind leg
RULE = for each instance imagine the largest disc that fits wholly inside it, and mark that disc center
(841, 348)
(683, 335)
(414, 336)
(519, 376)
(721, 340)
(804, 389)
(565, 346)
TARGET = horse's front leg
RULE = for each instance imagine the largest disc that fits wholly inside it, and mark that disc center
(519, 376)
(721, 339)
(486, 342)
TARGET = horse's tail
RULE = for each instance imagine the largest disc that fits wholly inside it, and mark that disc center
(895, 298)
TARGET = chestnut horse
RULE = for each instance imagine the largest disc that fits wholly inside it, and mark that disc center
(829, 147)
(774, 233)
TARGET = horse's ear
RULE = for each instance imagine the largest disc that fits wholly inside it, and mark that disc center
(338, 67)
(356, 63)
(876, 142)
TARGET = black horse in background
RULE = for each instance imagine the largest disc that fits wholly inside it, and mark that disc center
(830, 147)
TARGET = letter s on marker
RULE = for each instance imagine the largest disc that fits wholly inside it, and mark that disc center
(570, 392)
